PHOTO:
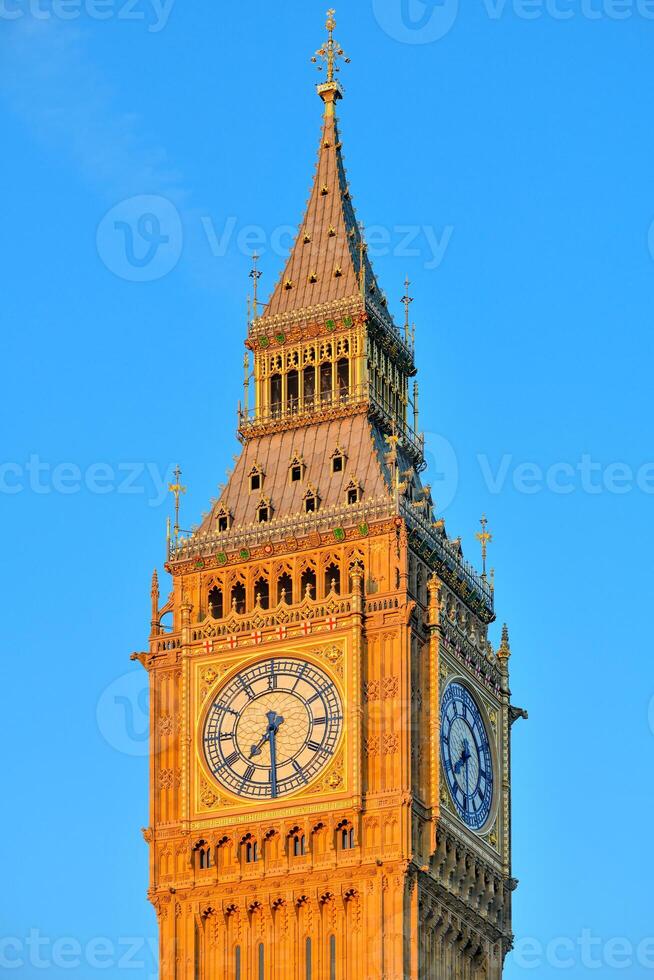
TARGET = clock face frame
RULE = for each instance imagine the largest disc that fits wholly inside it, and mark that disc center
(467, 756)
(272, 728)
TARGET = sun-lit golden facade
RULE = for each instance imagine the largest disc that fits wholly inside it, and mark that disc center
(324, 550)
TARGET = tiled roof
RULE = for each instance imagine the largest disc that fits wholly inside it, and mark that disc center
(324, 265)
(360, 441)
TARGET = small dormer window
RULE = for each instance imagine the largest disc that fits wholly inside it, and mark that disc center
(223, 521)
(311, 500)
(338, 461)
(353, 493)
(296, 469)
(256, 479)
(263, 512)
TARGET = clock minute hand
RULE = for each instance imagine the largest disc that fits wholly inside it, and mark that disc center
(274, 721)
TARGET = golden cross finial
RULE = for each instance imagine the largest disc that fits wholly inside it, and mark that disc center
(484, 537)
(177, 490)
(407, 300)
(331, 50)
(255, 275)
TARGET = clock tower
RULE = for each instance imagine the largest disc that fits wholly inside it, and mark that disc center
(330, 725)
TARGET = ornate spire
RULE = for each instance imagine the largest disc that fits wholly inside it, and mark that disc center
(504, 651)
(255, 275)
(407, 301)
(331, 52)
(154, 597)
(177, 490)
(484, 537)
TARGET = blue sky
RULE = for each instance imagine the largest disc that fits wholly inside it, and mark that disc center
(500, 154)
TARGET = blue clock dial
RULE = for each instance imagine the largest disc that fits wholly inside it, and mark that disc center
(273, 728)
(467, 757)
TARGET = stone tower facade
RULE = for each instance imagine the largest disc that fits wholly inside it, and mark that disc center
(330, 768)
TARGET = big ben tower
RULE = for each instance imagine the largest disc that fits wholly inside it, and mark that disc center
(330, 726)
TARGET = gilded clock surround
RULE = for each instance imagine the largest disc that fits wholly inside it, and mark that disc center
(335, 777)
(366, 872)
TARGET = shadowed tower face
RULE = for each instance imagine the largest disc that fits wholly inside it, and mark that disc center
(330, 772)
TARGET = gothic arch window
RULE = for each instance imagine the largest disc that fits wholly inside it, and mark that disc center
(298, 843)
(216, 606)
(262, 593)
(308, 583)
(285, 589)
(325, 383)
(202, 855)
(250, 850)
(345, 835)
(343, 377)
(276, 395)
(293, 391)
(238, 598)
(333, 579)
(309, 384)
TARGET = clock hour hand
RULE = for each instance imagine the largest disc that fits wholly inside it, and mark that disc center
(465, 755)
(274, 721)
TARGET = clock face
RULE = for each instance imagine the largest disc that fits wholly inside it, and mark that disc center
(467, 756)
(273, 728)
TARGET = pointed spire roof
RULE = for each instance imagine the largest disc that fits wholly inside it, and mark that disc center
(328, 262)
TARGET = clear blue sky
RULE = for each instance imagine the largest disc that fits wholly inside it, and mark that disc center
(516, 144)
